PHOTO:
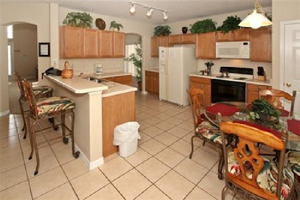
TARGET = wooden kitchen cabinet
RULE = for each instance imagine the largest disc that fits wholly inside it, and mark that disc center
(236, 35)
(90, 43)
(204, 84)
(157, 42)
(152, 82)
(253, 91)
(125, 80)
(261, 44)
(71, 42)
(182, 39)
(206, 45)
(119, 44)
(106, 44)
(116, 110)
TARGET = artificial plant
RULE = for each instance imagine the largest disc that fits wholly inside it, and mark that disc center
(162, 30)
(115, 25)
(204, 26)
(78, 19)
(231, 23)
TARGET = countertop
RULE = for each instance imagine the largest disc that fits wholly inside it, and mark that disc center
(251, 81)
(79, 85)
(153, 70)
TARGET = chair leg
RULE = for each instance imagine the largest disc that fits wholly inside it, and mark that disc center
(223, 192)
(192, 146)
(220, 165)
(63, 127)
(75, 154)
(34, 140)
(30, 137)
(23, 117)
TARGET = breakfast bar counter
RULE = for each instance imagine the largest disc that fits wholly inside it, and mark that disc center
(91, 130)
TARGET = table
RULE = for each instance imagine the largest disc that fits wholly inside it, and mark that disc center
(239, 112)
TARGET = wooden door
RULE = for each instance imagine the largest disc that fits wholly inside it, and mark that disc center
(71, 42)
(261, 44)
(206, 45)
(119, 44)
(174, 39)
(105, 44)
(154, 47)
(221, 37)
(163, 41)
(253, 91)
(149, 81)
(241, 34)
(156, 83)
(125, 80)
(90, 43)
(188, 39)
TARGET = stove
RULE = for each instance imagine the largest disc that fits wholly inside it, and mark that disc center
(235, 73)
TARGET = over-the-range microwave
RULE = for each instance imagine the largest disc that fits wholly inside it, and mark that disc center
(239, 50)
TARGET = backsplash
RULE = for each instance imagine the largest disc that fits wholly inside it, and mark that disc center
(87, 66)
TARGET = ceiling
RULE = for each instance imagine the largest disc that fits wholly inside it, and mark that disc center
(177, 9)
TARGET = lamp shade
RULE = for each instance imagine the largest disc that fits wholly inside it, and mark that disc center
(255, 20)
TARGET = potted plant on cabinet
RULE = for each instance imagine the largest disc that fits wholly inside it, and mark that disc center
(78, 19)
(115, 26)
(204, 26)
(231, 23)
(162, 30)
(136, 59)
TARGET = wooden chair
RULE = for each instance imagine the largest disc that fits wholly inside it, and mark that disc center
(39, 92)
(250, 174)
(45, 109)
(275, 97)
(203, 128)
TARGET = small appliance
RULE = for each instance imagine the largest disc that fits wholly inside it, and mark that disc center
(239, 50)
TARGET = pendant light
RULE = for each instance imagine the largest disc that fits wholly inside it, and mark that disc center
(257, 18)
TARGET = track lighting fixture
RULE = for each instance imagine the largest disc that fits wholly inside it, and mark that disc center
(150, 11)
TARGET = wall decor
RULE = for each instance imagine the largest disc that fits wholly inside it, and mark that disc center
(44, 49)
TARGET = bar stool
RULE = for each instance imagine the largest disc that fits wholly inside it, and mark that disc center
(39, 92)
(45, 109)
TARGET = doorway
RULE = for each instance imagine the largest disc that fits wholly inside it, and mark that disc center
(133, 42)
(290, 61)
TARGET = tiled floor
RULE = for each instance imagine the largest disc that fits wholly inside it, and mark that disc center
(160, 169)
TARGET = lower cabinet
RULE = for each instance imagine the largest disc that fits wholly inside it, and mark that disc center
(116, 110)
(253, 91)
(205, 85)
(152, 82)
(125, 80)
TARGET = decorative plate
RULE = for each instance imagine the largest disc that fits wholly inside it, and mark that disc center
(100, 23)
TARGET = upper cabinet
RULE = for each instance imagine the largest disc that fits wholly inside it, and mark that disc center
(78, 42)
(261, 44)
(182, 39)
(236, 35)
(206, 45)
(156, 42)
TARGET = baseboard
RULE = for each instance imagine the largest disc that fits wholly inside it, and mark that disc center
(90, 165)
(4, 113)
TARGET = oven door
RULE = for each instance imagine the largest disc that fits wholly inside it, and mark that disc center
(222, 90)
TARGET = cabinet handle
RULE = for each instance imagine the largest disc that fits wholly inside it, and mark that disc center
(288, 84)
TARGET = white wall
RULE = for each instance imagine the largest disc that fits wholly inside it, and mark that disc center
(283, 10)
(4, 104)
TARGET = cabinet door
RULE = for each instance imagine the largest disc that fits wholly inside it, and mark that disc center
(188, 39)
(154, 47)
(119, 44)
(149, 81)
(221, 37)
(205, 85)
(241, 34)
(163, 41)
(71, 42)
(261, 44)
(125, 80)
(206, 45)
(105, 44)
(253, 91)
(90, 43)
(156, 83)
(174, 39)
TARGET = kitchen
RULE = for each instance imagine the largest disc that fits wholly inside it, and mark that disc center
(113, 65)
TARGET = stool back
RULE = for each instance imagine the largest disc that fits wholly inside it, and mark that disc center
(20, 84)
(30, 97)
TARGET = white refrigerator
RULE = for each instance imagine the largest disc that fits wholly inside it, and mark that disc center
(175, 65)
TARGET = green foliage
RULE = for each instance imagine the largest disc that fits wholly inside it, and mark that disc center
(231, 23)
(162, 30)
(78, 19)
(263, 106)
(136, 59)
(204, 26)
(115, 25)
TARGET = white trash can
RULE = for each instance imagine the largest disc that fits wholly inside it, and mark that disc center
(126, 137)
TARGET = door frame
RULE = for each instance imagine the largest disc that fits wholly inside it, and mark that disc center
(282, 43)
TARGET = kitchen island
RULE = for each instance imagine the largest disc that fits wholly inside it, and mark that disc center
(96, 103)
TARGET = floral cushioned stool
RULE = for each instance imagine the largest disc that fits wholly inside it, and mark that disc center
(294, 163)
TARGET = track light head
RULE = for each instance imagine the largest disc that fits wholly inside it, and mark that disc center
(149, 13)
(132, 9)
(165, 16)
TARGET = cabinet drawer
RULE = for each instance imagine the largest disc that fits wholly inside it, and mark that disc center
(200, 80)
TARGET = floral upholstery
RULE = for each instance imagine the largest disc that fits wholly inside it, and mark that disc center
(42, 91)
(209, 131)
(52, 105)
(294, 162)
(266, 178)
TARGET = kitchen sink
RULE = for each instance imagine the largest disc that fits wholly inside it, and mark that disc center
(97, 80)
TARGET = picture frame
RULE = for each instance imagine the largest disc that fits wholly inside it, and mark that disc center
(44, 49)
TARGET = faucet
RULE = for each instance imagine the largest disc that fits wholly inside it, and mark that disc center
(80, 74)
